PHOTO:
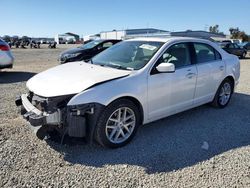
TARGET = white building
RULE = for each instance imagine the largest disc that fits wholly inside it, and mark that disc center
(91, 37)
(66, 38)
(131, 33)
(150, 32)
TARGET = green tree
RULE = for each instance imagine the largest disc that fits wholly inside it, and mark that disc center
(214, 29)
(237, 34)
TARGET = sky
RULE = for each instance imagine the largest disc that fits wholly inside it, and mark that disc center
(46, 18)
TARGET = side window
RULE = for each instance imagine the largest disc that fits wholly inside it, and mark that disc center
(107, 44)
(205, 53)
(231, 46)
(177, 54)
(236, 46)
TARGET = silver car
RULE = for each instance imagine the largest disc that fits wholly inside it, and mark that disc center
(6, 57)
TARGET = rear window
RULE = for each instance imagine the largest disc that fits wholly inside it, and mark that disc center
(206, 53)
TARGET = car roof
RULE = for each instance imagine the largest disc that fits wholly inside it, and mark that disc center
(168, 39)
(180, 39)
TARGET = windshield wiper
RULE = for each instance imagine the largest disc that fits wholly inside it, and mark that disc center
(114, 65)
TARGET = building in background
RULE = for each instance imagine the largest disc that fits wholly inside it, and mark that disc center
(91, 37)
(151, 32)
(132, 33)
(198, 34)
(67, 38)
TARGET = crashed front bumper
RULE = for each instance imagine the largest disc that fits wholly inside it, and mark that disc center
(76, 121)
(34, 115)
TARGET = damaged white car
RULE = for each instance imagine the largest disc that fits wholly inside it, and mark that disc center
(132, 83)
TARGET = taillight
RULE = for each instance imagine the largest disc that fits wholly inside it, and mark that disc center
(4, 47)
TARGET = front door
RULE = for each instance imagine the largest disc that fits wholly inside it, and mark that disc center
(169, 93)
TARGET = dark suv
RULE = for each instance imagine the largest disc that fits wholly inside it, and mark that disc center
(86, 51)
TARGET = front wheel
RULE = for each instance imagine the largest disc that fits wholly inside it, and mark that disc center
(118, 124)
(224, 94)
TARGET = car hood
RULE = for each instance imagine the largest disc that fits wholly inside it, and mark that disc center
(75, 50)
(71, 78)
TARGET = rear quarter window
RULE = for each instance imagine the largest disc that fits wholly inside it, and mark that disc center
(206, 53)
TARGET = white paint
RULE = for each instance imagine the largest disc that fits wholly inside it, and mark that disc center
(160, 95)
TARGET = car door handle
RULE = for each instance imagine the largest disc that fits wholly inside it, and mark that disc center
(190, 75)
(221, 68)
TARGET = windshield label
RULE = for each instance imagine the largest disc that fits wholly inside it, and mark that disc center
(148, 47)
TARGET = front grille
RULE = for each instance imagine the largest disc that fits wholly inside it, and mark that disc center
(49, 104)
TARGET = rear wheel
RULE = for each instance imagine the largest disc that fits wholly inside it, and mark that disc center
(224, 94)
(118, 124)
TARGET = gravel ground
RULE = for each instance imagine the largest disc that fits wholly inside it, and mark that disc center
(203, 147)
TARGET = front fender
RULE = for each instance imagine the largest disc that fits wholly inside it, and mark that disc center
(109, 91)
(131, 86)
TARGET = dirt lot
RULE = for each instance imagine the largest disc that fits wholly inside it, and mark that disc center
(167, 153)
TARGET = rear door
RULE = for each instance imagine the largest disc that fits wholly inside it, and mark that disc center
(239, 51)
(211, 71)
(233, 49)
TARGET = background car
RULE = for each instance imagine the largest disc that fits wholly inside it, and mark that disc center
(6, 57)
(245, 45)
(86, 51)
(234, 49)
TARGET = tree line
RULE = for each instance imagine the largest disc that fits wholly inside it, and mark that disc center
(235, 33)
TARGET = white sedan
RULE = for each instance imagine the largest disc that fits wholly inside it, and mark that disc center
(6, 57)
(132, 83)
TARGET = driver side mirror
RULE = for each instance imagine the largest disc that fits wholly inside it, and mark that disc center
(166, 68)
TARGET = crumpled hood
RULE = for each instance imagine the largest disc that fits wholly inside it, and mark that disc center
(71, 78)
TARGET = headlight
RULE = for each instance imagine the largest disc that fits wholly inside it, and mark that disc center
(67, 56)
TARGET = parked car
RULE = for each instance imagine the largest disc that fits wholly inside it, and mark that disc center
(86, 51)
(6, 57)
(245, 45)
(134, 82)
(234, 49)
(237, 41)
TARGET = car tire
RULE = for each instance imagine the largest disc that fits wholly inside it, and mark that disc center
(117, 124)
(243, 55)
(223, 94)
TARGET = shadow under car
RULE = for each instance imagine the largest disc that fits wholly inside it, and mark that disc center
(174, 142)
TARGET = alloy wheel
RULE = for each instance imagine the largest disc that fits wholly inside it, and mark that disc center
(225, 93)
(120, 125)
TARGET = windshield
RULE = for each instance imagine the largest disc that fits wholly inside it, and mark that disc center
(130, 55)
(243, 44)
(91, 44)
